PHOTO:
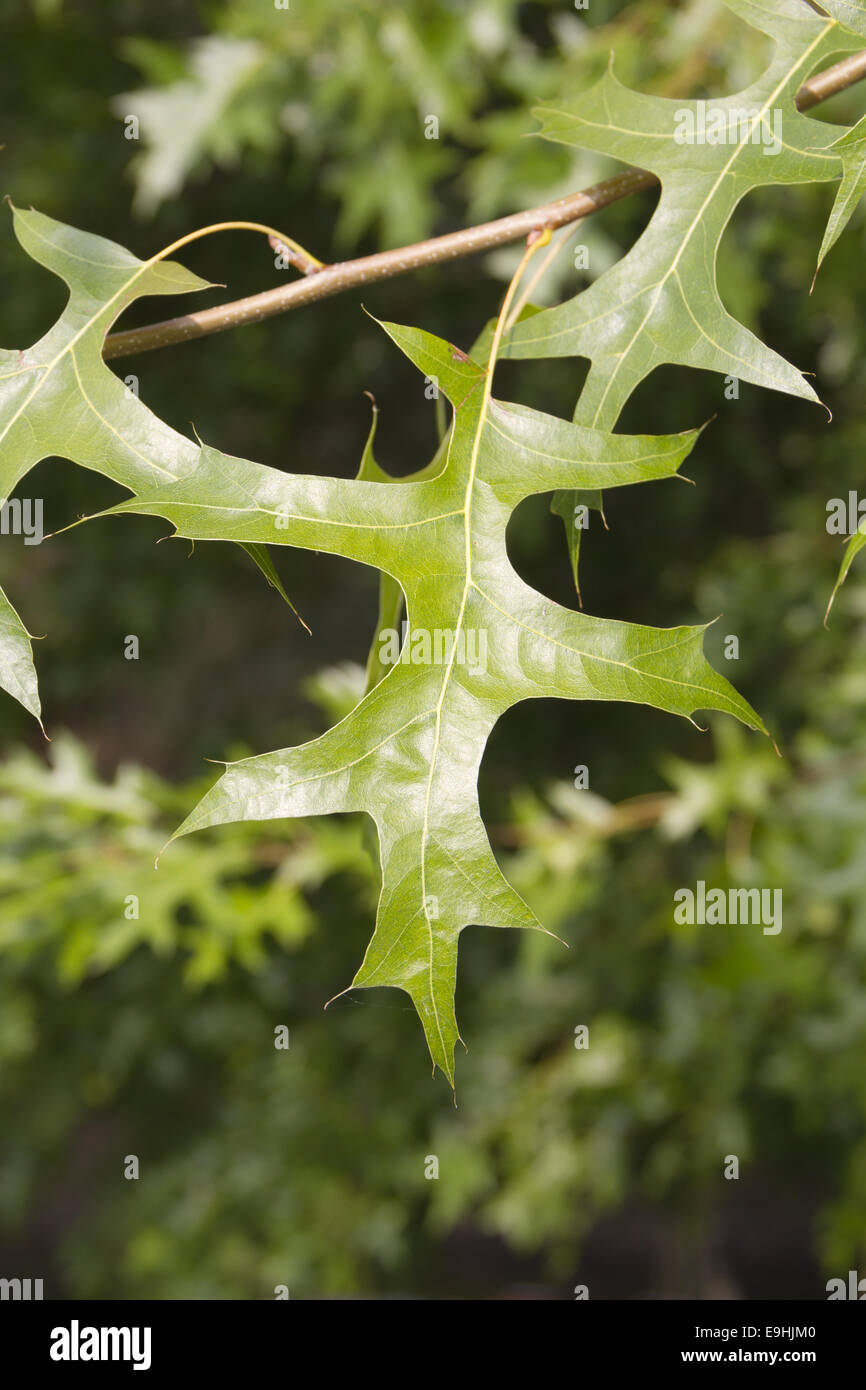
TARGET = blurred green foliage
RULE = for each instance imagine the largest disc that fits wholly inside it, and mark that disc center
(155, 1035)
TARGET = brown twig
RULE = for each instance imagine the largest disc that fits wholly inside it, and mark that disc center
(347, 275)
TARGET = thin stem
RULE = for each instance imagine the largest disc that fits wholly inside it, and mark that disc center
(299, 257)
(526, 293)
(534, 242)
(347, 275)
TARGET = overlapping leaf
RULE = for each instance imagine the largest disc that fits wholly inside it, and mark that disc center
(851, 147)
(660, 303)
(479, 641)
(59, 397)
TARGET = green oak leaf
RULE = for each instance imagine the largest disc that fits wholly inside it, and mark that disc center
(850, 13)
(408, 754)
(59, 397)
(852, 151)
(852, 549)
(660, 303)
(851, 146)
(17, 671)
(566, 505)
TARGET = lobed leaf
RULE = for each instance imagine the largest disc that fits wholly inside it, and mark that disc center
(17, 671)
(409, 753)
(59, 397)
(660, 303)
